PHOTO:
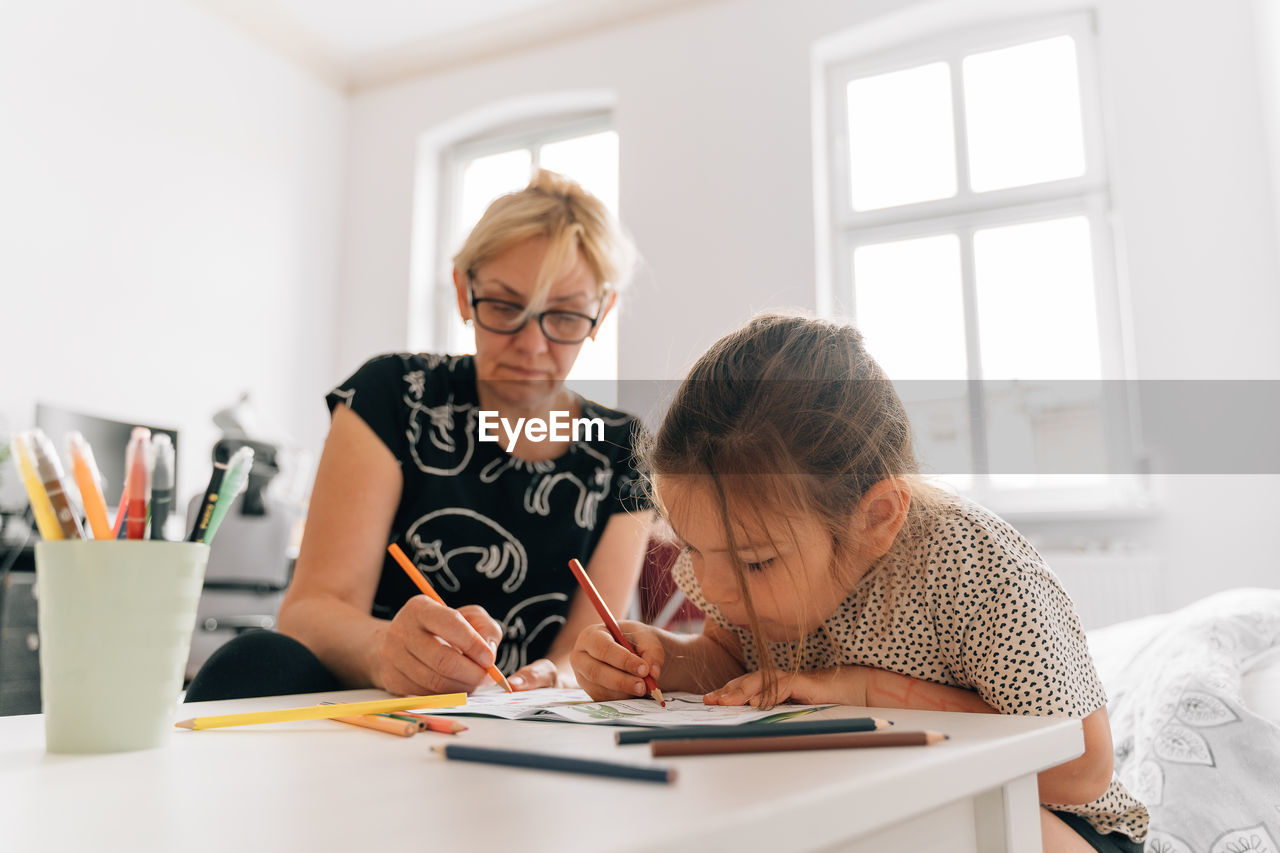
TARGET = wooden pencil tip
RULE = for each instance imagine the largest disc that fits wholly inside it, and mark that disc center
(657, 694)
(185, 724)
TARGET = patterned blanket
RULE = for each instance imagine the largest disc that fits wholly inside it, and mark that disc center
(1207, 768)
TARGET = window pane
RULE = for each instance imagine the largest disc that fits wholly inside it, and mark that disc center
(1022, 114)
(593, 162)
(1037, 317)
(910, 306)
(483, 180)
(590, 160)
(901, 137)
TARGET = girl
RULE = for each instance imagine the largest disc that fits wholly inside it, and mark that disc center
(829, 572)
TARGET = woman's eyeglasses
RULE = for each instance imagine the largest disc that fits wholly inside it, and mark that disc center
(507, 318)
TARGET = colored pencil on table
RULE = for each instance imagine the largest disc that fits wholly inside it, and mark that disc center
(432, 723)
(425, 587)
(611, 624)
(560, 763)
(847, 740)
(803, 727)
(393, 724)
(383, 724)
(325, 712)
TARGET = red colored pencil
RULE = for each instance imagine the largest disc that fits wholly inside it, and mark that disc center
(609, 622)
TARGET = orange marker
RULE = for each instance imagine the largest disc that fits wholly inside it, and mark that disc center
(609, 622)
(421, 582)
(89, 481)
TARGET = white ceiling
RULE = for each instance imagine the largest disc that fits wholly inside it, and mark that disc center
(362, 44)
(355, 28)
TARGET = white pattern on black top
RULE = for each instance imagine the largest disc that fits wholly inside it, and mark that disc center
(969, 605)
(487, 527)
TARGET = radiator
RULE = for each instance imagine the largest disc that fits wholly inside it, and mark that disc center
(1110, 587)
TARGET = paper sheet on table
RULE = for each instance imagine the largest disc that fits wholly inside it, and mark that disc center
(575, 706)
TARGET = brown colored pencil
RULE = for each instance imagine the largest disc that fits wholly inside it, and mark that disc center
(382, 724)
(845, 740)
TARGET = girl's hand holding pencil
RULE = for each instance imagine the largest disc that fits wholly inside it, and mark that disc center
(608, 671)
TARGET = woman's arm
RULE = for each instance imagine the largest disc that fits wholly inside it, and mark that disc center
(614, 568)
(427, 647)
(327, 606)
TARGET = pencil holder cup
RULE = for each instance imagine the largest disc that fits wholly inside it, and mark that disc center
(116, 619)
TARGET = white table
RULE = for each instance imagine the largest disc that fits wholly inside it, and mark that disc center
(321, 786)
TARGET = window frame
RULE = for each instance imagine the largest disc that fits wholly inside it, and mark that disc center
(530, 134)
(1087, 195)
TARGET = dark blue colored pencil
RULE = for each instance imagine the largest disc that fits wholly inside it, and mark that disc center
(562, 763)
(800, 727)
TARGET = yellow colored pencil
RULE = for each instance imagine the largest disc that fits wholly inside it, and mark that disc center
(324, 712)
(46, 520)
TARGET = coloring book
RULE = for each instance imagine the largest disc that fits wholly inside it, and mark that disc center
(573, 705)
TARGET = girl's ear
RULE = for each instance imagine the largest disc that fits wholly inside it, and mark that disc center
(882, 512)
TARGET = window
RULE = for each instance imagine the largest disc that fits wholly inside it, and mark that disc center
(971, 243)
(476, 172)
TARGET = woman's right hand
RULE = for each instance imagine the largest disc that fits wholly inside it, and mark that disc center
(429, 648)
(607, 671)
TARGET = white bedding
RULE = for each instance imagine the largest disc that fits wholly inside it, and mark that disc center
(1194, 702)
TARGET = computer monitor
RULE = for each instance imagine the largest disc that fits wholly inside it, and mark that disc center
(108, 438)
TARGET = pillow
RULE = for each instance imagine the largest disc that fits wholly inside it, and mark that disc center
(1260, 685)
(1188, 744)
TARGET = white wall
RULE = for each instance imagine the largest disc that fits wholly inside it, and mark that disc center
(170, 202)
(714, 113)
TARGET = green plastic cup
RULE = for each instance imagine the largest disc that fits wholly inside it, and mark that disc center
(116, 619)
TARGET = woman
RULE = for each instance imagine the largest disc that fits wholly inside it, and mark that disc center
(491, 524)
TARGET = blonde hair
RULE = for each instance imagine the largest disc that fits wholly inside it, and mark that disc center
(570, 218)
(791, 417)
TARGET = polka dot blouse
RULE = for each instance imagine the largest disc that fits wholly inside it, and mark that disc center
(971, 604)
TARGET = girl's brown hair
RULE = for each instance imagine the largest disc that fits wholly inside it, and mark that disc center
(789, 417)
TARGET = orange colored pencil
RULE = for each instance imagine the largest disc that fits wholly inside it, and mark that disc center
(382, 724)
(421, 582)
(611, 624)
(433, 723)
